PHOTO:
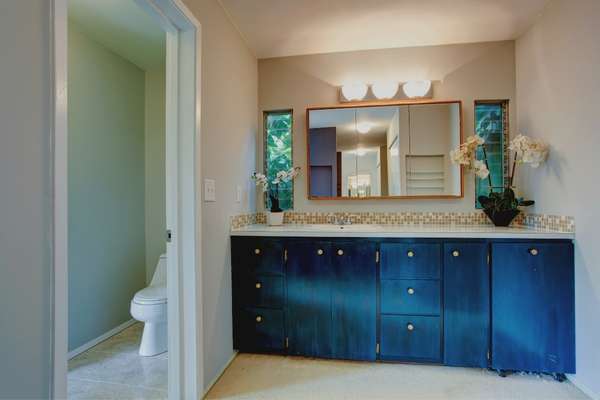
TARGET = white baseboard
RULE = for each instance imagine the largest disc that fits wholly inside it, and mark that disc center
(100, 338)
(583, 388)
(214, 381)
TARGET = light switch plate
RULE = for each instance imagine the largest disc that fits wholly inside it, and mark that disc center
(210, 191)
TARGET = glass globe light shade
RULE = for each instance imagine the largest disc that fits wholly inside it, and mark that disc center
(354, 92)
(416, 88)
(384, 90)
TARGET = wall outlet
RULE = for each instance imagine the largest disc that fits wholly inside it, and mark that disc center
(210, 191)
(239, 192)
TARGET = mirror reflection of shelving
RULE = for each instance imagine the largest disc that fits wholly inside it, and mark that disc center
(425, 174)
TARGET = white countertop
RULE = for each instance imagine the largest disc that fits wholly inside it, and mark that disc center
(401, 231)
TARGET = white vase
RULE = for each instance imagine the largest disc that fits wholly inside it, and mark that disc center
(274, 218)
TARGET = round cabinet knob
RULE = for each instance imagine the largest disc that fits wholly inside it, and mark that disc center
(258, 285)
(257, 251)
(340, 252)
(410, 327)
(410, 290)
(320, 252)
(534, 252)
(410, 254)
(258, 318)
(455, 253)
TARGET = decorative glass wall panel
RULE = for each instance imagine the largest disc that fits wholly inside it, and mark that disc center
(491, 123)
(278, 153)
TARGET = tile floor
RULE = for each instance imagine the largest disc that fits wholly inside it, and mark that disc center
(114, 370)
(274, 377)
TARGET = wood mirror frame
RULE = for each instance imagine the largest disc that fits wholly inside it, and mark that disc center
(366, 104)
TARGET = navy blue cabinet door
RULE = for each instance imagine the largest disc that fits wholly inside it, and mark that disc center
(533, 315)
(309, 280)
(354, 301)
(466, 304)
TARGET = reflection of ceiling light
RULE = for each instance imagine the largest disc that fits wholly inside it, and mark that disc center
(394, 152)
(364, 127)
(416, 88)
(360, 152)
(354, 92)
(384, 90)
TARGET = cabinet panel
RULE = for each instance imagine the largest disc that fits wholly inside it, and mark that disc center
(258, 255)
(533, 315)
(309, 278)
(354, 301)
(410, 338)
(262, 330)
(409, 296)
(466, 304)
(410, 261)
(262, 291)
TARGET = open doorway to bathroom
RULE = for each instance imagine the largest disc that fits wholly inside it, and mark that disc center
(117, 294)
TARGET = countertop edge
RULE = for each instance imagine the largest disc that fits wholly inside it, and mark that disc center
(421, 232)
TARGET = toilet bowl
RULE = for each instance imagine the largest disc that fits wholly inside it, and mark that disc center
(149, 306)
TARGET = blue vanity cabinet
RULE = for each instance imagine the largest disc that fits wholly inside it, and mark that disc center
(466, 304)
(410, 301)
(533, 310)
(354, 300)
(309, 277)
(258, 294)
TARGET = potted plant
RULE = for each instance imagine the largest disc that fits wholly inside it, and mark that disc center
(275, 214)
(501, 207)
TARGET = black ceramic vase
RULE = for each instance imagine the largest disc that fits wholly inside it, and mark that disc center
(502, 218)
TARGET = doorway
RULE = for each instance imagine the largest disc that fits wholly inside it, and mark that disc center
(182, 85)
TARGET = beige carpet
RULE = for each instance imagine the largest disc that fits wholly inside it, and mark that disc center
(275, 377)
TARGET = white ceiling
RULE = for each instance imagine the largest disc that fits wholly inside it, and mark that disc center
(278, 28)
(123, 27)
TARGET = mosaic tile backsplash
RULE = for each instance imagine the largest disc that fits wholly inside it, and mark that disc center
(538, 221)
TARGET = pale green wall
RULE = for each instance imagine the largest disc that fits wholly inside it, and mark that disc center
(155, 168)
(106, 187)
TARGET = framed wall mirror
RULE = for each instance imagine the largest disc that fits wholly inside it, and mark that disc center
(391, 150)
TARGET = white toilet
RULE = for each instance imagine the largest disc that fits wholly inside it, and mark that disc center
(149, 306)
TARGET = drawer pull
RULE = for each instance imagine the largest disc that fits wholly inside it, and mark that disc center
(410, 291)
(258, 285)
(410, 327)
(410, 254)
(534, 252)
(455, 253)
(258, 319)
(257, 251)
(320, 252)
(340, 252)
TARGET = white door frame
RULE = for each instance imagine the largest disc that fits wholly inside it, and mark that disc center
(183, 37)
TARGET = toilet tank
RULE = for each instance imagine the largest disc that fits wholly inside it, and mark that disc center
(160, 273)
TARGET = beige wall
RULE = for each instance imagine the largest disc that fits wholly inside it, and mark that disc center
(465, 72)
(558, 86)
(229, 103)
(26, 199)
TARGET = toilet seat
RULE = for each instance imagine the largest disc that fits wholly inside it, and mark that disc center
(151, 295)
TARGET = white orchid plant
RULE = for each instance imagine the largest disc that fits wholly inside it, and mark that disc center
(526, 151)
(272, 187)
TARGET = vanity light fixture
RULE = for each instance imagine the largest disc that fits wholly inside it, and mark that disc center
(364, 127)
(384, 90)
(356, 91)
(414, 89)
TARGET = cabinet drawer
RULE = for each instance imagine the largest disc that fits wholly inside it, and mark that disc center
(262, 291)
(410, 260)
(261, 329)
(410, 338)
(258, 255)
(408, 296)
